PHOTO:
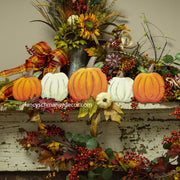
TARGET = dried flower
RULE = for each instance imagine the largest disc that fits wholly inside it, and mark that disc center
(113, 60)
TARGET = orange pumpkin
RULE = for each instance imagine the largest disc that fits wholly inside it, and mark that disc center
(86, 82)
(148, 87)
(26, 88)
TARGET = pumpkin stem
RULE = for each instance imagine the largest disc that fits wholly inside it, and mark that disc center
(58, 69)
(91, 62)
(121, 75)
(151, 69)
(30, 73)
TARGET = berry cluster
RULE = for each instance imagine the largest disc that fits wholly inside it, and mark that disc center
(31, 140)
(84, 160)
(169, 94)
(66, 106)
(78, 5)
(137, 163)
(116, 44)
(128, 65)
(134, 103)
(176, 113)
(175, 136)
(55, 131)
(105, 69)
(30, 50)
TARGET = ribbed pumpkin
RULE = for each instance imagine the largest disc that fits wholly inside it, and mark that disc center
(148, 87)
(55, 86)
(26, 88)
(86, 82)
(121, 89)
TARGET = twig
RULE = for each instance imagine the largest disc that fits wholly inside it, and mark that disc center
(151, 39)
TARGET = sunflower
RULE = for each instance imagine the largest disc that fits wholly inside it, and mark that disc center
(88, 25)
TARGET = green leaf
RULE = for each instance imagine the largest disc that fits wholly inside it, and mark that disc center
(158, 48)
(107, 174)
(164, 71)
(77, 137)
(37, 74)
(168, 58)
(92, 144)
(167, 146)
(144, 20)
(166, 159)
(174, 71)
(99, 65)
(142, 69)
(81, 139)
(110, 153)
(88, 107)
(68, 135)
(3, 83)
(87, 137)
(14, 102)
(91, 175)
(165, 36)
(177, 56)
(154, 161)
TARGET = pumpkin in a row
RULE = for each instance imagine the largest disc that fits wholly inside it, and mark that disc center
(149, 87)
(26, 88)
(121, 88)
(87, 82)
(54, 85)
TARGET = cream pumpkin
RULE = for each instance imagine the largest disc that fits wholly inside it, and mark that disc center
(121, 89)
(55, 86)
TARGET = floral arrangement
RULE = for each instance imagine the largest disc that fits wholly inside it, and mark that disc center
(114, 69)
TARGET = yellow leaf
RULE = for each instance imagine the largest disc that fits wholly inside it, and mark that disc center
(103, 155)
(89, 107)
(54, 147)
(107, 114)
(94, 124)
(93, 109)
(83, 111)
(115, 116)
(62, 165)
(117, 108)
(121, 162)
(36, 118)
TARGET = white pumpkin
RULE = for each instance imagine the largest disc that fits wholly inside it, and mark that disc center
(55, 86)
(121, 89)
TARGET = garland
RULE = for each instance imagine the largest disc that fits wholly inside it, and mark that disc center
(61, 150)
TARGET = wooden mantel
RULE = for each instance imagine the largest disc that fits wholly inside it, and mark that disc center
(140, 131)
